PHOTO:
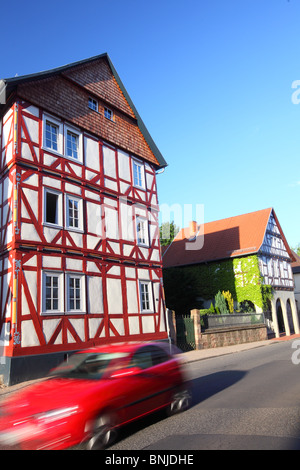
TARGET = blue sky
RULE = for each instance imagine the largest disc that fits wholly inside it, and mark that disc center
(212, 80)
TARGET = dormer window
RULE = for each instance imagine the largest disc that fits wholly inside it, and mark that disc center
(108, 114)
(93, 104)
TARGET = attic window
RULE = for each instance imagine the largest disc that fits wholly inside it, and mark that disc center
(93, 104)
(108, 114)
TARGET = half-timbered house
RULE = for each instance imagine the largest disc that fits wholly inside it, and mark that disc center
(242, 254)
(80, 258)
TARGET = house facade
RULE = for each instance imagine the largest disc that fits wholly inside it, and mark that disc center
(296, 273)
(80, 260)
(247, 255)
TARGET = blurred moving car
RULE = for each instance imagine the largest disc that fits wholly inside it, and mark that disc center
(89, 396)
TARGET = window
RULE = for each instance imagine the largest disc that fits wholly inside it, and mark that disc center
(74, 213)
(75, 293)
(108, 114)
(58, 288)
(93, 104)
(138, 174)
(73, 143)
(52, 207)
(52, 133)
(142, 231)
(146, 296)
(52, 292)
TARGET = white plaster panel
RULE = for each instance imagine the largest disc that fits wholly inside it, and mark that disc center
(52, 182)
(72, 188)
(94, 294)
(49, 327)
(51, 262)
(119, 325)
(31, 196)
(28, 334)
(33, 128)
(28, 232)
(124, 165)
(93, 218)
(134, 325)
(73, 264)
(111, 223)
(109, 162)
(148, 324)
(78, 324)
(91, 153)
(132, 301)
(114, 296)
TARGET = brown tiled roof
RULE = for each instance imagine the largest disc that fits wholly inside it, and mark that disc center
(296, 263)
(226, 238)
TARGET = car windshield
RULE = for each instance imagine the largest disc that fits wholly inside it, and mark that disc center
(90, 366)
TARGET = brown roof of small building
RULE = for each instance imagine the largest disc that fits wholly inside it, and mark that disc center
(227, 238)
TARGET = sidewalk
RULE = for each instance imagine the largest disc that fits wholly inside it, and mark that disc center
(200, 354)
(187, 357)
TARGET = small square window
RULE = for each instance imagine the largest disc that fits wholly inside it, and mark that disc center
(93, 104)
(108, 114)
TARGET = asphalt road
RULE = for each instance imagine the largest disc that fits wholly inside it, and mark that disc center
(244, 401)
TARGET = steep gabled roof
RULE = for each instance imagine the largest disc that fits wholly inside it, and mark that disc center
(227, 238)
(9, 85)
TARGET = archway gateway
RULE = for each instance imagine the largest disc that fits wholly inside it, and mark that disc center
(284, 314)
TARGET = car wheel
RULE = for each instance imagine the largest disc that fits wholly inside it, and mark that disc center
(104, 432)
(180, 401)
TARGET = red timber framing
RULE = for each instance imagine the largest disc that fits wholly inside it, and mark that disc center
(75, 270)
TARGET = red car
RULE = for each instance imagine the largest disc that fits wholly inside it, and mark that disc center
(92, 394)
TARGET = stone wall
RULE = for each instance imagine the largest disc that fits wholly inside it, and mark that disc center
(234, 335)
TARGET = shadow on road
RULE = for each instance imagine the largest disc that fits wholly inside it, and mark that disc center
(209, 385)
(201, 388)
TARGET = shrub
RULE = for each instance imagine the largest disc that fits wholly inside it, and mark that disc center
(220, 304)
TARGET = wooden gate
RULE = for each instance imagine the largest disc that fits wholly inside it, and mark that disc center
(185, 333)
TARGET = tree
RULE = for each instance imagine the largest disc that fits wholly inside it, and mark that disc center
(180, 290)
(297, 249)
(220, 303)
(168, 232)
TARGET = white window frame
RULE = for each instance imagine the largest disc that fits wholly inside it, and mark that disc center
(143, 239)
(108, 114)
(76, 132)
(60, 298)
(138, 182)
(81, 288)
(93, 104)
(70, 197)
(59, 125)
(58, 216)
(145, 288)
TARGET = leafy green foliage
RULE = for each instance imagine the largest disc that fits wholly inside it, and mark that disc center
(240, 276)
(220, 303)
(167, 232)
(180, 290)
